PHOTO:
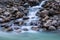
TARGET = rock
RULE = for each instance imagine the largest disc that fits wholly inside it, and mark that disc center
(33, 2)
(18, 31)
(35, 28)
(52, 28)
(15, 9)
(19, 23)
(26, 12)
(1, 20)
(51, 12)
(9, 29)
(26, 5)
(46, 18)
(48, 23)
(58, 27)
(16, 28)
(54, 22)
(34, 22)
(19, 15)
(25, 29)
(7, 14)
(43, 13)
(1, 10)
(6, 28)
(21, 8)
(57, 0)
(25, 18)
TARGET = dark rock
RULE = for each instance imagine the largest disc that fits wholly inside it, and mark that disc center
(19, 23)
(25, 29)
(33, 2)
(25, 18)
(16, 28)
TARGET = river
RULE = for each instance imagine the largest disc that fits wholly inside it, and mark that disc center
(30, 35)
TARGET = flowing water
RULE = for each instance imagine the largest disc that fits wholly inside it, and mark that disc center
(30, 35)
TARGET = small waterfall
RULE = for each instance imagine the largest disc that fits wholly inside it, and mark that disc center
(32, 16)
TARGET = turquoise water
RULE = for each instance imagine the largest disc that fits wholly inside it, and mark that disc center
(30, 36)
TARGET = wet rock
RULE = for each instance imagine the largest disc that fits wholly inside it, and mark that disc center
(23, 9)
(6, 28)
(1, 20)
(33, 2)
(26, 12)
(35, 28)
(26, 5)
(19, 23)
(1, 10)
(57, 0)
(43, 13)
(58, 27)
(25, 18)
(48, 23)
(46, 18)
(9, 29)
(25, 29)
(52, 28)
(51, 12)
(16, 28)
(18, 31)
(34, 22)
(17, 14)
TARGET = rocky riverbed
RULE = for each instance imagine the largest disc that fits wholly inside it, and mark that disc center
(29, 15)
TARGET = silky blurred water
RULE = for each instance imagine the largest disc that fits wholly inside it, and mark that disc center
(30, 36)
